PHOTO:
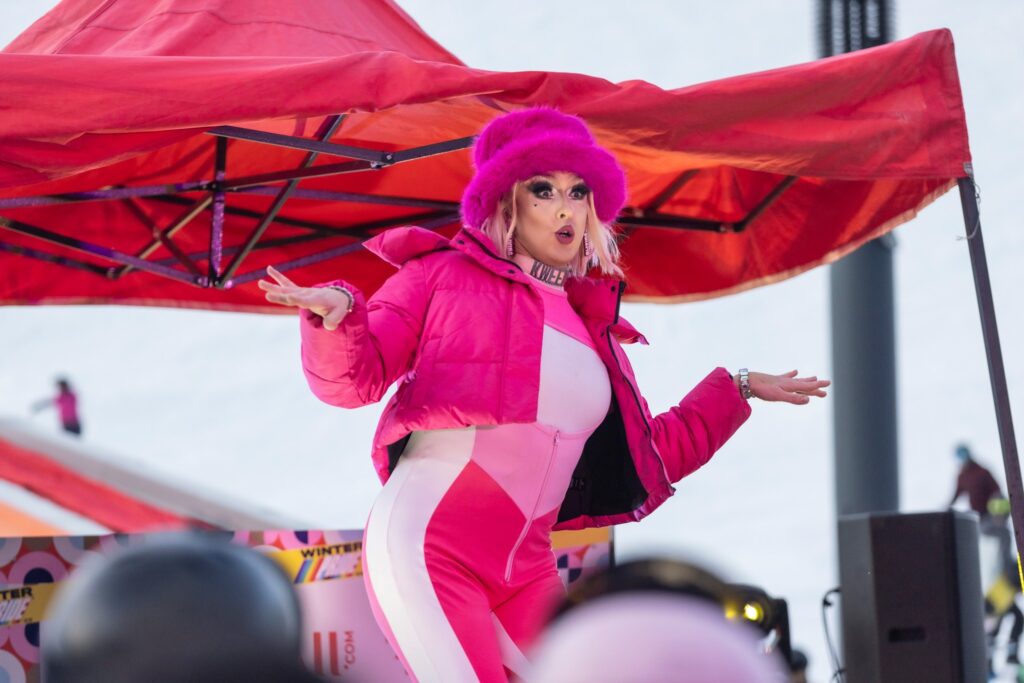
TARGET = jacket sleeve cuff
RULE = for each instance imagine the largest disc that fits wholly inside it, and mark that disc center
(721, 381)
(311, 320)
(689, 434)
(329, 354)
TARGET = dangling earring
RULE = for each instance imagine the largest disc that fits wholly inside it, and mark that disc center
(510, 247)
(588, 248)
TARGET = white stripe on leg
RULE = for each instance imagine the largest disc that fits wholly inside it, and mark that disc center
(511, 656)
(398, 572)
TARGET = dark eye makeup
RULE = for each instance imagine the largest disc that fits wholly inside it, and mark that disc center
(545, 190)
(579, 191)
(541, 188)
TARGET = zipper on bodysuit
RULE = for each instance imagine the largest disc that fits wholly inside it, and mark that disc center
(533, 514)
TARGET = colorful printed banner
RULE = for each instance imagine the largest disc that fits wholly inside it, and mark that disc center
(321, 563)
(24, 604)
(341, 640)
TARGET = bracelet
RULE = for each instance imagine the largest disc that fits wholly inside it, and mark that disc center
(343, 290)
(745, 384)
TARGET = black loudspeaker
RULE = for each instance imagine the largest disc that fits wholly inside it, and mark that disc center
(911, 598)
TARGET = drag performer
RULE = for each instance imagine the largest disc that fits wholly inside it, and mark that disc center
(516, 410)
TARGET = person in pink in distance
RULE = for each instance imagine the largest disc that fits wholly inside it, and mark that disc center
(66, 402)
(517, 411)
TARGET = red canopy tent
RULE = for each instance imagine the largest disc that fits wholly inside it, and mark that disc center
(133, 128)
(152, 153)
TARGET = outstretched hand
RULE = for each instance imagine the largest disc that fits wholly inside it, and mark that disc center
(788, 387)
(329, 304)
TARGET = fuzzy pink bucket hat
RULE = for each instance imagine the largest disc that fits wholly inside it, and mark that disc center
(530, 142)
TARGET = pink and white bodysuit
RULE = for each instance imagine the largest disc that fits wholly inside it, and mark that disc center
(457, 552)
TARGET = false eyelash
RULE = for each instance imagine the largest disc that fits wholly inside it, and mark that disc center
(539, 186)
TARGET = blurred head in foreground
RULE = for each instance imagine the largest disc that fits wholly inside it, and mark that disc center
(651, 638)
(182, 607)
(651, 621)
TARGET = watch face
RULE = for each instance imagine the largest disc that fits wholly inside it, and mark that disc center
(745, 384)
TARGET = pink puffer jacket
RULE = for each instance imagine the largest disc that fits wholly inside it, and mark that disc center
(461, 329)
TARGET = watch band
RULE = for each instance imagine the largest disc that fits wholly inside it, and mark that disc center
(745, 384)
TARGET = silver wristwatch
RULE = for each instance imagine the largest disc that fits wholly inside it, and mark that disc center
(745, 384)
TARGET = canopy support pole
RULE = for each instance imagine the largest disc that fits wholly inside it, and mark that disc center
(650, 217)
(249, 213)
(327, 129)
(667, 221)
(217, 213)
(165, 236)
(993, 353)
(110, 194)
(376, 158)
(353, 197)
(321, 171)
(316, 147)
(96, 250)
(428, 224)
(763, 205)
(670, 191)
(54, 258)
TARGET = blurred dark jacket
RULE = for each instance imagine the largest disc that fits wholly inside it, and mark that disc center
(979, 485)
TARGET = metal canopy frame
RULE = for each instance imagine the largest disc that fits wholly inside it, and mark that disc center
(282, 185)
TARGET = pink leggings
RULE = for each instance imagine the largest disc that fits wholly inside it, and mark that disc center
(457, 554)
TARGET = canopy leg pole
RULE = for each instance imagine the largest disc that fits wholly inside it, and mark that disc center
(217, 215)
(994, 355)
(330, 125)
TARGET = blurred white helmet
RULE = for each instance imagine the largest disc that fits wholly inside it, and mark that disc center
(651, 638)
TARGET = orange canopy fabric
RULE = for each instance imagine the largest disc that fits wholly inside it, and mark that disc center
(732, 183)
(116, 510)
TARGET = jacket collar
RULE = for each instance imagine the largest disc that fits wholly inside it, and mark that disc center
(593, 298)
(398, 245)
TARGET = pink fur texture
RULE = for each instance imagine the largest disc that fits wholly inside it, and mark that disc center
(526, 143)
